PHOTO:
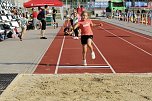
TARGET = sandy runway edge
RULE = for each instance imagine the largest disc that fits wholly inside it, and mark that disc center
(79, 87)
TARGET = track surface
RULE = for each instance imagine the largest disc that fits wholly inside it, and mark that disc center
(117, 51)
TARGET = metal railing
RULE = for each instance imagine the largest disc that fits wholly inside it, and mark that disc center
(142, 18)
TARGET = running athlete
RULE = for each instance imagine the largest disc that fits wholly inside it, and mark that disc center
(86, 35)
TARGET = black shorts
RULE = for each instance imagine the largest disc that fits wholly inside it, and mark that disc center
(66, 29)
(76, 31)
(43, 24)
(84, 38)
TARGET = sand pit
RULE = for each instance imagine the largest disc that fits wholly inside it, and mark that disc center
(83, 87)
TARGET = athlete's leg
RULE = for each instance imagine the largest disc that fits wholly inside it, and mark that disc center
(84, 51)
(89, 43)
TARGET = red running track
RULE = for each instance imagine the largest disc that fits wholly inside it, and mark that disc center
(117, 51)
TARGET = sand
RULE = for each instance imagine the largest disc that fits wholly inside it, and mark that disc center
(79, 87)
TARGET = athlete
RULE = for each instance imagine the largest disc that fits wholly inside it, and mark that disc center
(86, 35)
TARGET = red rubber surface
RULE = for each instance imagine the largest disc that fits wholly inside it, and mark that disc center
(125, 52)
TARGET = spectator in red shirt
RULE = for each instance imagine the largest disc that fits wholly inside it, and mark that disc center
(80, 9)
(34, 16)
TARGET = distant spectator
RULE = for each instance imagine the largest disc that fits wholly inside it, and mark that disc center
(23, 24)
(138, 11)
(9, 32)
(14, 10)
(34, 16)
(68, 30)
(108, 12)
(138, 16)
(68, 13)
(80, 9)
(54, 14)
(42, 15)
(143, 11)
(75, 19)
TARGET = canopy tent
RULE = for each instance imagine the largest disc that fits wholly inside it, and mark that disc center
(39, 3)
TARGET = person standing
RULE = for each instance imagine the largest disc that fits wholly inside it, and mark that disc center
(86, 35)
(80, 9)
(67, 13)
(23, 24)
(42, 17)
(34, 16)
(54, 12)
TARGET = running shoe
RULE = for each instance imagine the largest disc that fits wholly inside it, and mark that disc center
(57, 25)
(93, 55)
(84, 62)
(43, 38)
(74, 37)
(77, 38)
(20, 37)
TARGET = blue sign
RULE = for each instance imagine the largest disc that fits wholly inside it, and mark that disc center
(103, 4)
(141, 4)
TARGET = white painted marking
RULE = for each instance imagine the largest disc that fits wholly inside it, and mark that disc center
(84, 66)
(72, 48)
(128, 42)
(57, 65)
(104, 58)
(132, 32)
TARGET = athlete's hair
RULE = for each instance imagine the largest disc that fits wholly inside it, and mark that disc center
(84, 13)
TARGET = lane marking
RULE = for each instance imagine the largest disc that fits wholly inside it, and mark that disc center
(128, 42)
(104, 58)
(84, 66)
(57, 65)
(58, 61)
(39, 58)
(131, 32)
(72, 48)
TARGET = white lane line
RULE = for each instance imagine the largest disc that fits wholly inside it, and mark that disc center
(104, 58)
(128, 42)
(83, 66)
(71, 48)
(57, 65)
(132, 32)
(39, 58)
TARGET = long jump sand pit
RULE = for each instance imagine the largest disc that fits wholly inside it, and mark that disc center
(79, 87)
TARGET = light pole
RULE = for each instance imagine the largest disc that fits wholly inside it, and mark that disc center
(77, 2)
(66, 4)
